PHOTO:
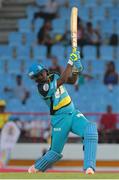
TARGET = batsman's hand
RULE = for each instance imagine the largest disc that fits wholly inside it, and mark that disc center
(74, 56)
(75, 61)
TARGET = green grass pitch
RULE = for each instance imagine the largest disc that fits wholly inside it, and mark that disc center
(58, 176)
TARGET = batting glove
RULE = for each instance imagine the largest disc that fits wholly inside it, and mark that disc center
(74, 56)
(74, 59)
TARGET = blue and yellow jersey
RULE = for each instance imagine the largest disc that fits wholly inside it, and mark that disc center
(57, 99)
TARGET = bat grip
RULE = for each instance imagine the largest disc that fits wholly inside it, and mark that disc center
(74, 49)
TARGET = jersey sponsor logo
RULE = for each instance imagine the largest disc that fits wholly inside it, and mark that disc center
(57, 129)
(59, 91)
(46, 87)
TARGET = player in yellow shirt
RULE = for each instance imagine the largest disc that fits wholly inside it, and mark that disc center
(3, 116)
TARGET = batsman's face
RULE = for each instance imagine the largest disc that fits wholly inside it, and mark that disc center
(40, 77)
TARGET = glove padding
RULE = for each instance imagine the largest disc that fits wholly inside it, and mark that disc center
(75, 58)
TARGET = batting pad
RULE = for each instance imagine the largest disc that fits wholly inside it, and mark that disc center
(48, 159)
(90, 146)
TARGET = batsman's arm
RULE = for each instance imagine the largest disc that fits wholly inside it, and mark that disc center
(65, 75)
(75, 74)
(72, 79)
(73, 60)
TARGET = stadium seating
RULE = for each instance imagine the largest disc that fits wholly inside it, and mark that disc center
(59, 26)
(24, 25)
(103, 14)
(14, 66)
(106, 52)
(39, 51)
(16, 105)
(38, 24)
(107, 28)
(117, 28)
(62, 61)
(6, 51)
(64, 13)
(84, 13)
(16, 38)
(23, 50)
(89, 52)
(98, 67)
(58, 50)
(2, 64)
(98, 13)
(30, 11)
(41, 3)
(81, 3)
(91, 3)
(113, 13)
(30, 38)
(108, 3)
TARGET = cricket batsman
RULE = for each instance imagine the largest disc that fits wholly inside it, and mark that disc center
(64, 117)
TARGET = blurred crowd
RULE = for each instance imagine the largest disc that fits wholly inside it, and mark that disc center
(39, 130)
(88, 34)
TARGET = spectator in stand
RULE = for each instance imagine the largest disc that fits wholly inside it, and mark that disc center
(49, 10)
(9, 137)
(81, 35)
(44, 36)
(108, 126)
(93, 36)
(55, 66)
(108, 120)
(4, 118)
(110, 76)
(19, 91)
(113, 41)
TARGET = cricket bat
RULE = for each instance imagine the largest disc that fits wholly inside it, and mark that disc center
(74, 18)
(73, 28)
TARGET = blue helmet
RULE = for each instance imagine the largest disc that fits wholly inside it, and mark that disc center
(35, 69)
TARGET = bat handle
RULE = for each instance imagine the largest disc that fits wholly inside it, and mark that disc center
(74, 49)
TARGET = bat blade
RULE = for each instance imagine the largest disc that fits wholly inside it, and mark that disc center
(73, 27)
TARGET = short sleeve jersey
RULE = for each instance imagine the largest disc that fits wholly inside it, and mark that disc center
(57, 99)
